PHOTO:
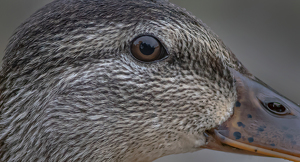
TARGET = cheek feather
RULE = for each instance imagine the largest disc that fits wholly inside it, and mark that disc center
(74, 89)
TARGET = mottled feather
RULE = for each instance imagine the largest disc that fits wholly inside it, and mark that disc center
(71, 90)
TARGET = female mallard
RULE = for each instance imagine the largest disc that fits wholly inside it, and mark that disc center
(113, 80)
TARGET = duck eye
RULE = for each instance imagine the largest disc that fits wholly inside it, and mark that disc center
(147, 49)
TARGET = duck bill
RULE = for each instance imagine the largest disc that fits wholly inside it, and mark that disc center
(263, 123)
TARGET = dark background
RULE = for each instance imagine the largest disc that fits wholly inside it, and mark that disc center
(264, 35)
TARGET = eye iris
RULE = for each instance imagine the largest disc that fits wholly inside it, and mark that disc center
(275, 106)
(146, 49)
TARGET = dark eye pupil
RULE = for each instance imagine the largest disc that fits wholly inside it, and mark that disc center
(146, 49)
(277, 107)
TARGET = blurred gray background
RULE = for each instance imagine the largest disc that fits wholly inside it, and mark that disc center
(264, 35)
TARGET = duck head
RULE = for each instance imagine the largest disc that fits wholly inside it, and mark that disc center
(134, 80)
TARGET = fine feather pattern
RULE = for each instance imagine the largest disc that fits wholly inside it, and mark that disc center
(71, 90)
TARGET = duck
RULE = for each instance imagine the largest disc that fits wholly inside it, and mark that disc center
(133, 80)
